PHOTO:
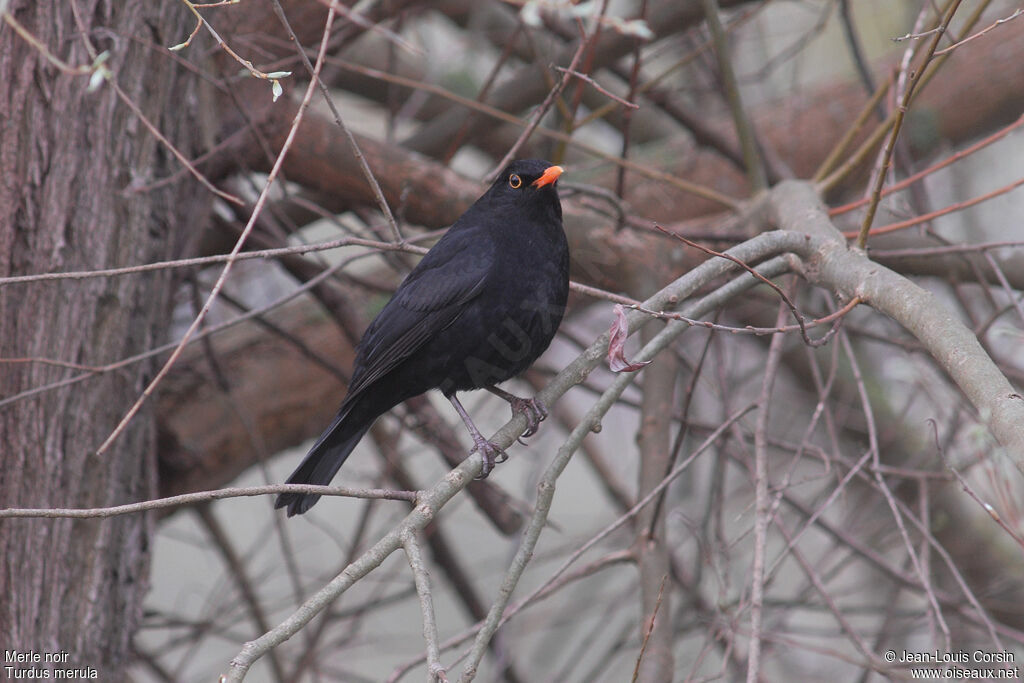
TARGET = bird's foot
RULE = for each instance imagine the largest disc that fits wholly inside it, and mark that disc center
(492, 452)
(534, 409)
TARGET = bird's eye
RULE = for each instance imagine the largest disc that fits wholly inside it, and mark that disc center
(515, 181)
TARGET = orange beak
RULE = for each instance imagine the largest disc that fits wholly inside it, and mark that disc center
(549, 176)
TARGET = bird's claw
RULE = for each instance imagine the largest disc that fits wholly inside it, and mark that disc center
(493, 454)
(534, 410)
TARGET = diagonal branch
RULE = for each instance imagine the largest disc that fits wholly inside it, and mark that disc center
(830, 263)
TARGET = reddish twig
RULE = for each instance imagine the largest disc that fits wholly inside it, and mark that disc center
(932, 215)
(649, 629)
(789, 302)
(833, 317)
(951, 159)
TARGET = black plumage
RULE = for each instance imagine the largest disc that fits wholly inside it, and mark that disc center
(478, 309)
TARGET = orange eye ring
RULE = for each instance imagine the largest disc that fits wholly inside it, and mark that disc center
(515, 181)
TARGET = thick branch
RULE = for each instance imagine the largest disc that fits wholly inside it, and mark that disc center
(848, 272)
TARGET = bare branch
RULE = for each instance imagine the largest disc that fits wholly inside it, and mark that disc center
(205, 497)
(422, 579)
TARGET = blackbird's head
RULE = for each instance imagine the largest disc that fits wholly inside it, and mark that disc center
(528, 174)
(530, 183)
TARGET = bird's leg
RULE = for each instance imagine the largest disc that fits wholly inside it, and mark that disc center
(492, 452)
(534, 409)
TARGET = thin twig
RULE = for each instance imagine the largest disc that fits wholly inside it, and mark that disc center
(980, 33)
(762, 501)
(837, 612)
(238, 570)
(222, 279)
(741, 121)
(539, 112)
(932, 215)
(99, 70)
(507, 51)
(828, 175)
(364, 22)
(314, 72)
(833, 178)
(903, 104)
(44, 51)
(156, 351)
(422, 579)
(1004, 283)
(597, 86)
(872, 431)
(626, 125)
(649, 629)
(833, 317)
(556, 135)
(408, 247)
(203, 497)
(951, 159)
(789, 302)
(856, 51)
(989, 510)
(246, 64)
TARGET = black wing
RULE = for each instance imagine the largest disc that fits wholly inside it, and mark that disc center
(430, 299)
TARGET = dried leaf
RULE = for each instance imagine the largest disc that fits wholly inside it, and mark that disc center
(617, 335)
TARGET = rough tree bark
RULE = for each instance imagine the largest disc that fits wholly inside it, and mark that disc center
(70, 161)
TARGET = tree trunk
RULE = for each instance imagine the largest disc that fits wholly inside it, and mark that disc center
(70, 165)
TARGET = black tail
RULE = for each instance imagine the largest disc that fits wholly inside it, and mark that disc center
(326, 457)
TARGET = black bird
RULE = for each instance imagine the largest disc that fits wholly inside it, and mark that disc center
(478, 309)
